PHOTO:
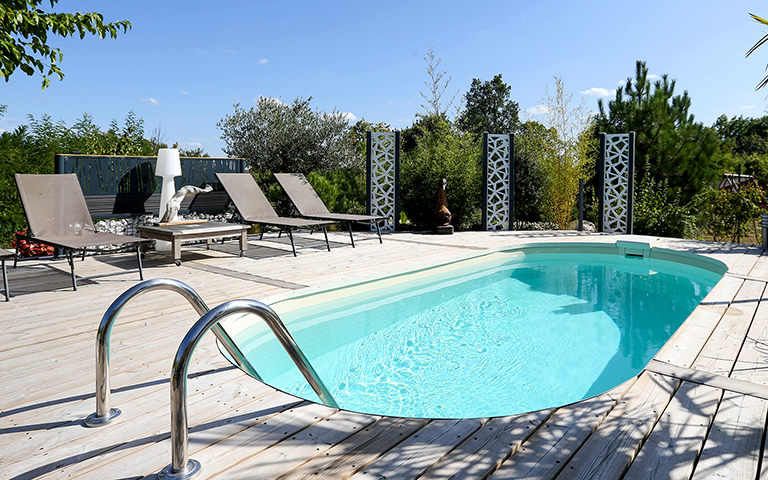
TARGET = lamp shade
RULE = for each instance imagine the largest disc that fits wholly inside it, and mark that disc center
(168, 162)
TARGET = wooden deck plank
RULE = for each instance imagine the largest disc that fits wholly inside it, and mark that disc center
(353, 453)
(298, 449)
(483, 452)
(542, 456)
(232, 442)
(689, 339)
(753, 356)
(732, 449)
(719, 354)
(613, 446)
(417, 453)
(678, 437)
(145, 420)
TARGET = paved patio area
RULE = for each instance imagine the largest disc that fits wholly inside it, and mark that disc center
(699, 409)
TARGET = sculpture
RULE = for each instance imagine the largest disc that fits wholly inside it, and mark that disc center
(442, 214)
(174, 203)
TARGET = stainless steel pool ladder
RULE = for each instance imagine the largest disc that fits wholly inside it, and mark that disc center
(104, 414)
(182, 467)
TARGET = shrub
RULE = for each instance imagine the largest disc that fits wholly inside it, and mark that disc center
(442, 152)
(726, 214)
(657, 211)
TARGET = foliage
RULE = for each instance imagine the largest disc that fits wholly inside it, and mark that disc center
(743, 136)
(193, 152)
(441, 152)
(565, 151)
(529, 175)
(668, 143)
(744, 145)
(24, 30)
(488, 108)
(342, 191)
(726, 214)
(764, 81)
(657, 211)
(359, 131)
(436, 106)
(276, 137)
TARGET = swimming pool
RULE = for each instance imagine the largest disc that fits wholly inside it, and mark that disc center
(499, 333)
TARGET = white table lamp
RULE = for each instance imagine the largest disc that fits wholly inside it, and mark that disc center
(168, 167)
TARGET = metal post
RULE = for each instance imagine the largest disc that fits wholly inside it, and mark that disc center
(368, 173)
(581, 205)
(511, 180)
(182, 467)
(765, 231)
(396, 224)
(631, 185)
(601, 184)
(104, 414)
(485, 182)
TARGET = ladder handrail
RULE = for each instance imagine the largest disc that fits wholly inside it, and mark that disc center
(181, 465)
(104, 414)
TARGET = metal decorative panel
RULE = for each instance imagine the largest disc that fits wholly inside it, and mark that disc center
(497, 153)
(383, 172)
(617, 155)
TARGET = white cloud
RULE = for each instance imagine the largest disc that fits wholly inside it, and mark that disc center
(621, 83)
(195, 144)
(274, 100)
(599, 92)
(748, 106)
(2, 130)
(263, 61)
(149, 100)
(184, 92)
(652, 77)
(538, 110)
(349, 116)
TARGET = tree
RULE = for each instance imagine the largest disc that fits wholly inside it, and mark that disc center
(435, 106)
(566, 152)
(744, 136)
(442, 151)
(276, 137)
(764, 81)
(24, 29)
(668, 143)
(359, 132)
(488, 108)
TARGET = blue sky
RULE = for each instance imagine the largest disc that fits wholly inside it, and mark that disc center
(185, 64)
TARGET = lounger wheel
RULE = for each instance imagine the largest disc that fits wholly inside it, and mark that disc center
(177, 262)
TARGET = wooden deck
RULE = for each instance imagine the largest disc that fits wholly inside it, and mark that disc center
(697, 411)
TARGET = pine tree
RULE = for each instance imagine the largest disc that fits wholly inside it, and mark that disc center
(669, 144)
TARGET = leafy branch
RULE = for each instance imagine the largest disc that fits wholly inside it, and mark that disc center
(760, 42)
(24, 30)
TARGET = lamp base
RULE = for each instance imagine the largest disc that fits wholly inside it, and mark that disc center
(162, 246)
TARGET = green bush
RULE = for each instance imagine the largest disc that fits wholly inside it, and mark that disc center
(442, 151)
(657, 211)
(342, 191)
(726, 214)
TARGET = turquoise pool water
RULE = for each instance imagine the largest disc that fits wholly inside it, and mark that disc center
(496, 335)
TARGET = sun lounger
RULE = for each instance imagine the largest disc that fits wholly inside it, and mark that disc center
(4, 255)
(254, 207)
(58, 216)
(309, 204)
